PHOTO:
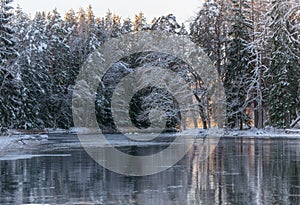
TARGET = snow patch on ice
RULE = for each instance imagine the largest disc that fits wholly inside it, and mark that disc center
(12, 142)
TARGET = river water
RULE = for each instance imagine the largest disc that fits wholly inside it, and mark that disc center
(239, 171)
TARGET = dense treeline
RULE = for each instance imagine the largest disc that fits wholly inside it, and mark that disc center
(256, 50)
(41, 57)
(254, 45)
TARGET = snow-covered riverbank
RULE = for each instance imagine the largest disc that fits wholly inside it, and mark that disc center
(15, 140)
(265, 133)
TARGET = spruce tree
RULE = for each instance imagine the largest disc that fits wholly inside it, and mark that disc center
(127, 26)
(59, 102)
(238, 68)
(34, 62)
(22, 24)
(9, 77)
(283, 72)
(166, 23)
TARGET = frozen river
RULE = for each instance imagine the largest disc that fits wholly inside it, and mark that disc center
(240, 171)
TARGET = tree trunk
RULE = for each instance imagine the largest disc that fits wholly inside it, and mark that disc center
(241, 124)
(258, 116)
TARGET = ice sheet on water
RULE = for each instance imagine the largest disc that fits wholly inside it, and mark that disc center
(30, 156)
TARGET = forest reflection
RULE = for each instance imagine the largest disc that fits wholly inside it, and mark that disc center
(247, 171)
(239, 171)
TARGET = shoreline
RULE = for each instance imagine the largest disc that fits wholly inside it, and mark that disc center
(253, 132)
(16, 139)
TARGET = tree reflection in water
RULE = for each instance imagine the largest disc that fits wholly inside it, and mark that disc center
(239, 171)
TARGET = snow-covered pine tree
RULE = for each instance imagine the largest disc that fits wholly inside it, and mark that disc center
(107, 22)
(116, 26)
(238, 68)
(183, 30)
(127, 26)
(209, 30)
(80, 40)
(70, 26)
(70, 19)
(88, 36)
(166, 23)
(58, 50)
(59, 102)
(34, 62)
(140, 22)
(283, 70)
(9, 77)
(95, 35)
(7, 51)
(22, 23)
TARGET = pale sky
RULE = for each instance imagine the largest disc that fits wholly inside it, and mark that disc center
(182, 9)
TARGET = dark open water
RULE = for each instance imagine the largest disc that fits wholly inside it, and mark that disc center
(240, 171)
